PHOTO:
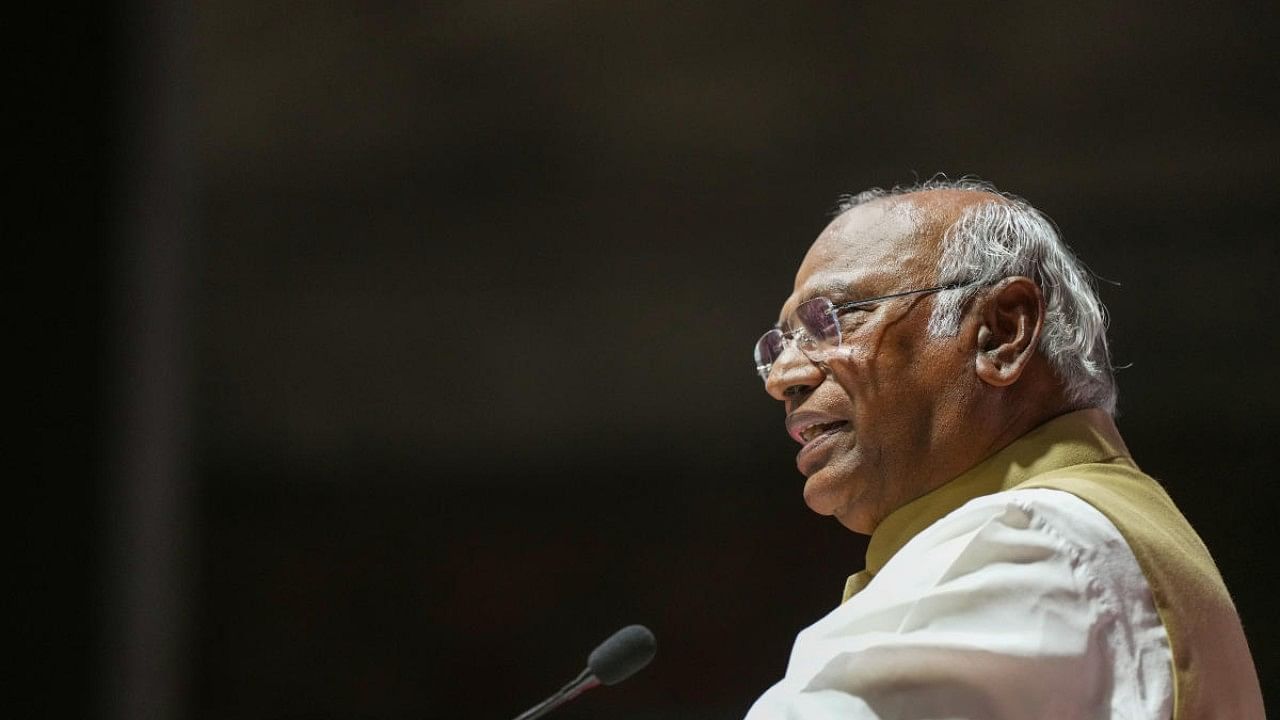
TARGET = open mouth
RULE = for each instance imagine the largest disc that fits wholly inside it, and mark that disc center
(817, 430)
(819, 440)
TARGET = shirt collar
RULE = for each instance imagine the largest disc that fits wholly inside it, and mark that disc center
(1083, 436)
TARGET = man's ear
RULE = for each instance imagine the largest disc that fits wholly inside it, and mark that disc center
(1010, 322)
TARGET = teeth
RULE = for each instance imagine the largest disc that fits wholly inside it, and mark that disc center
(814, 431)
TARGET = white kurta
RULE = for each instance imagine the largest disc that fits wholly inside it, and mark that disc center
(1020, 604)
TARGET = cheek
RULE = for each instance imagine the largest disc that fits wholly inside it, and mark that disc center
(887, 368)
(859, 364)
(900, 389)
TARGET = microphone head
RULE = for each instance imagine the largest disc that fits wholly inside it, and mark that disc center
(623, 654)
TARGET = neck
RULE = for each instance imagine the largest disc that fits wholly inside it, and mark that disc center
(1006, 414)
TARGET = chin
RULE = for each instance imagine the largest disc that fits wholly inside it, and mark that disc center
(828, 492)
(824, 492)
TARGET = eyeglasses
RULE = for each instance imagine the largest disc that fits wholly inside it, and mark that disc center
(818, 333)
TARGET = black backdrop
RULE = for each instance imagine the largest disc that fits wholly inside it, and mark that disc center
(464, 303)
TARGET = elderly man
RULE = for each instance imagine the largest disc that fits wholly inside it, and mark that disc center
(943, 362)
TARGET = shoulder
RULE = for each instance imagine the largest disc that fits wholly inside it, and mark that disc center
(1028, 593)
(1057, 521)
(1060, 513)
(1033, 541)
(1018, 514)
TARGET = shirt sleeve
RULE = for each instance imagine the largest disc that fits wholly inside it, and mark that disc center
(1027, 603)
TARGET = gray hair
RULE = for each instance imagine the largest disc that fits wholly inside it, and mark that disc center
(1007, 237)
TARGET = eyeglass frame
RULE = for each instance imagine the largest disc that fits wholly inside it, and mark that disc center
(764, 371)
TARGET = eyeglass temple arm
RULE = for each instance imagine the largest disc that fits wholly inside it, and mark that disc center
(939, 288)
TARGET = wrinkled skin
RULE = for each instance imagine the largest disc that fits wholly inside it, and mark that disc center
(917, 410)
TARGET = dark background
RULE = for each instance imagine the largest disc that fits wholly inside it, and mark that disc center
(391, 355)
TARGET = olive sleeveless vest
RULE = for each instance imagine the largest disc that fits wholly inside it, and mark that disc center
(1082, 453)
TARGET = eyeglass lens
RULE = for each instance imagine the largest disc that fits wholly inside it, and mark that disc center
(817, 334)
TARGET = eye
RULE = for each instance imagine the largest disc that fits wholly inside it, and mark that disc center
(854, 317)
(857, 309)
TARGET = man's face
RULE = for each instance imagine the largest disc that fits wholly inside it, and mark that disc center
(885, 406)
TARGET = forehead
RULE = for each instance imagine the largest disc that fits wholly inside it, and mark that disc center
(875, 248)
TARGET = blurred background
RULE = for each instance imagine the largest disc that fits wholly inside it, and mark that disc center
(394, 354)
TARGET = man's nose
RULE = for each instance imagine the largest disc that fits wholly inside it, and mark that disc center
(792, 373)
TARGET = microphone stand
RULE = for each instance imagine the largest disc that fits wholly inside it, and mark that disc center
(584, 682)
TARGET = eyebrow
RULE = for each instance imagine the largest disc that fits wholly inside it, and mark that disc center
(837, 291)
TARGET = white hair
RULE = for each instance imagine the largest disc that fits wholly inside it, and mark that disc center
(1006, 237)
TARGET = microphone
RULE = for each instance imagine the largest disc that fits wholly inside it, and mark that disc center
(615, 660)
